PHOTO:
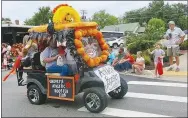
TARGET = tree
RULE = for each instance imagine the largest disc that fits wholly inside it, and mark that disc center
(156, 28)
(5, 19)
(41, 17)
(182, 21)
(104, 19)
(157, 9)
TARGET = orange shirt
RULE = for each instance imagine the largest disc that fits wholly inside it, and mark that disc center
(131, 58)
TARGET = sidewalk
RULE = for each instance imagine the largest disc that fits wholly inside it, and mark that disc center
(169, 75)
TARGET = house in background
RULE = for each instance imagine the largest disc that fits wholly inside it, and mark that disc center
(126, 28)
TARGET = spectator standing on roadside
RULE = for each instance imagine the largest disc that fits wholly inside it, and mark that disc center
(158, 53)
(175, 37)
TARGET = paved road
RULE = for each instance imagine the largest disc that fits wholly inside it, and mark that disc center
(146, 97)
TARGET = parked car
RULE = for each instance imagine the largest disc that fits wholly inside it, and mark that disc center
(115, 42)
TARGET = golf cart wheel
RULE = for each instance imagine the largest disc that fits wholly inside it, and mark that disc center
(120, 91)
(35, 95)
(95, 99)
(115, 45)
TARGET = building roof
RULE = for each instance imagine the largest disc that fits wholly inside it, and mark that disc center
(18, 26)
(141, 29)
(129, 27)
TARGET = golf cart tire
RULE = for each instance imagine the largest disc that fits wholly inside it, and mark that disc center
(100, 92)
(42, 97)
(123, 91)
(115, 45)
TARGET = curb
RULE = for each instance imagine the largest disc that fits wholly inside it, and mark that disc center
(173, 73)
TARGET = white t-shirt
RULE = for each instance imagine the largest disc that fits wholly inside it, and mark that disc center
(140, 59)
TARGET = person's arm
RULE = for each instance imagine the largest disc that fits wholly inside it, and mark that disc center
(115, 61)
(50, 59)
(166, 35)
(163, 54)
(182, 36)
(150, 51)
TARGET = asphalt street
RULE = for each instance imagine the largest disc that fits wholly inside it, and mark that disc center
(145, 98)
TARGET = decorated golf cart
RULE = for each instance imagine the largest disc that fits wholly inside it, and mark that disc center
(89, 52)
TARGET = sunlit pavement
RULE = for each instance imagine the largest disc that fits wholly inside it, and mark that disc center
(145, 98)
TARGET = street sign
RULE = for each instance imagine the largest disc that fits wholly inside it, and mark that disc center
(60, 87)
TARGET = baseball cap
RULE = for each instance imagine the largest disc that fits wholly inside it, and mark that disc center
(171, 22)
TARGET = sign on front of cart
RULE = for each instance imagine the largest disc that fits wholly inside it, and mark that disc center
(61, 88)
(109, 76)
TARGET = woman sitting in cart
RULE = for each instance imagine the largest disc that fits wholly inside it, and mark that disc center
(49, 58)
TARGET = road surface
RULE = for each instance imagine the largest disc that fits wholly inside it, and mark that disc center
(145, 98)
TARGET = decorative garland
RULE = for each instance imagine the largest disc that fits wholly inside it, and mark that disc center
(91, 62)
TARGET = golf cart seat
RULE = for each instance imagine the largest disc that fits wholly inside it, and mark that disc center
(35, 62)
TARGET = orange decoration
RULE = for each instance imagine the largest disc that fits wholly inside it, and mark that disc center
(80, 51)
(101, 41)
(78, 43)
(94, 32)
(97, 60)
(99, 35)
(105, 52)
(85, 32)
(104, 58)
(78, 34)
(86, 57)
(91, 63)
(105, 47)
(89, 32)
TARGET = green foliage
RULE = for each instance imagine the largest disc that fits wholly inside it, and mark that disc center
(5, 19)
(139, 45)
(41, 17)
(147, 59)
(158, 9)
(156, 26)
(104, 19)
(184, 45)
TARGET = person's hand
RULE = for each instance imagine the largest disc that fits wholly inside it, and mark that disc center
(161, 57)
(55, 58)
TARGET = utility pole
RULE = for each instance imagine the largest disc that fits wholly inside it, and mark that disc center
(83, 12)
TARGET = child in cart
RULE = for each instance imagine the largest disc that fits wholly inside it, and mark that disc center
(158, 59)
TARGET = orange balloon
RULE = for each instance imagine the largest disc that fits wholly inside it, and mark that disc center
(91, 63)
(97, 60)
(105, 47)
(101, 41)
(89, 32)
(84, 32)
(105, 52)
(86, 57)
(78, 43)
(99, 35)
(78, 34)
(104, 58)
(94, 32)
(80, 51)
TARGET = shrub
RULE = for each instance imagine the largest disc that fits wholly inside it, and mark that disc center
(140, 45)
(184, 45)
(147, 59)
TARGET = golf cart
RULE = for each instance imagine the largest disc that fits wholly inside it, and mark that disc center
(90, 53)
